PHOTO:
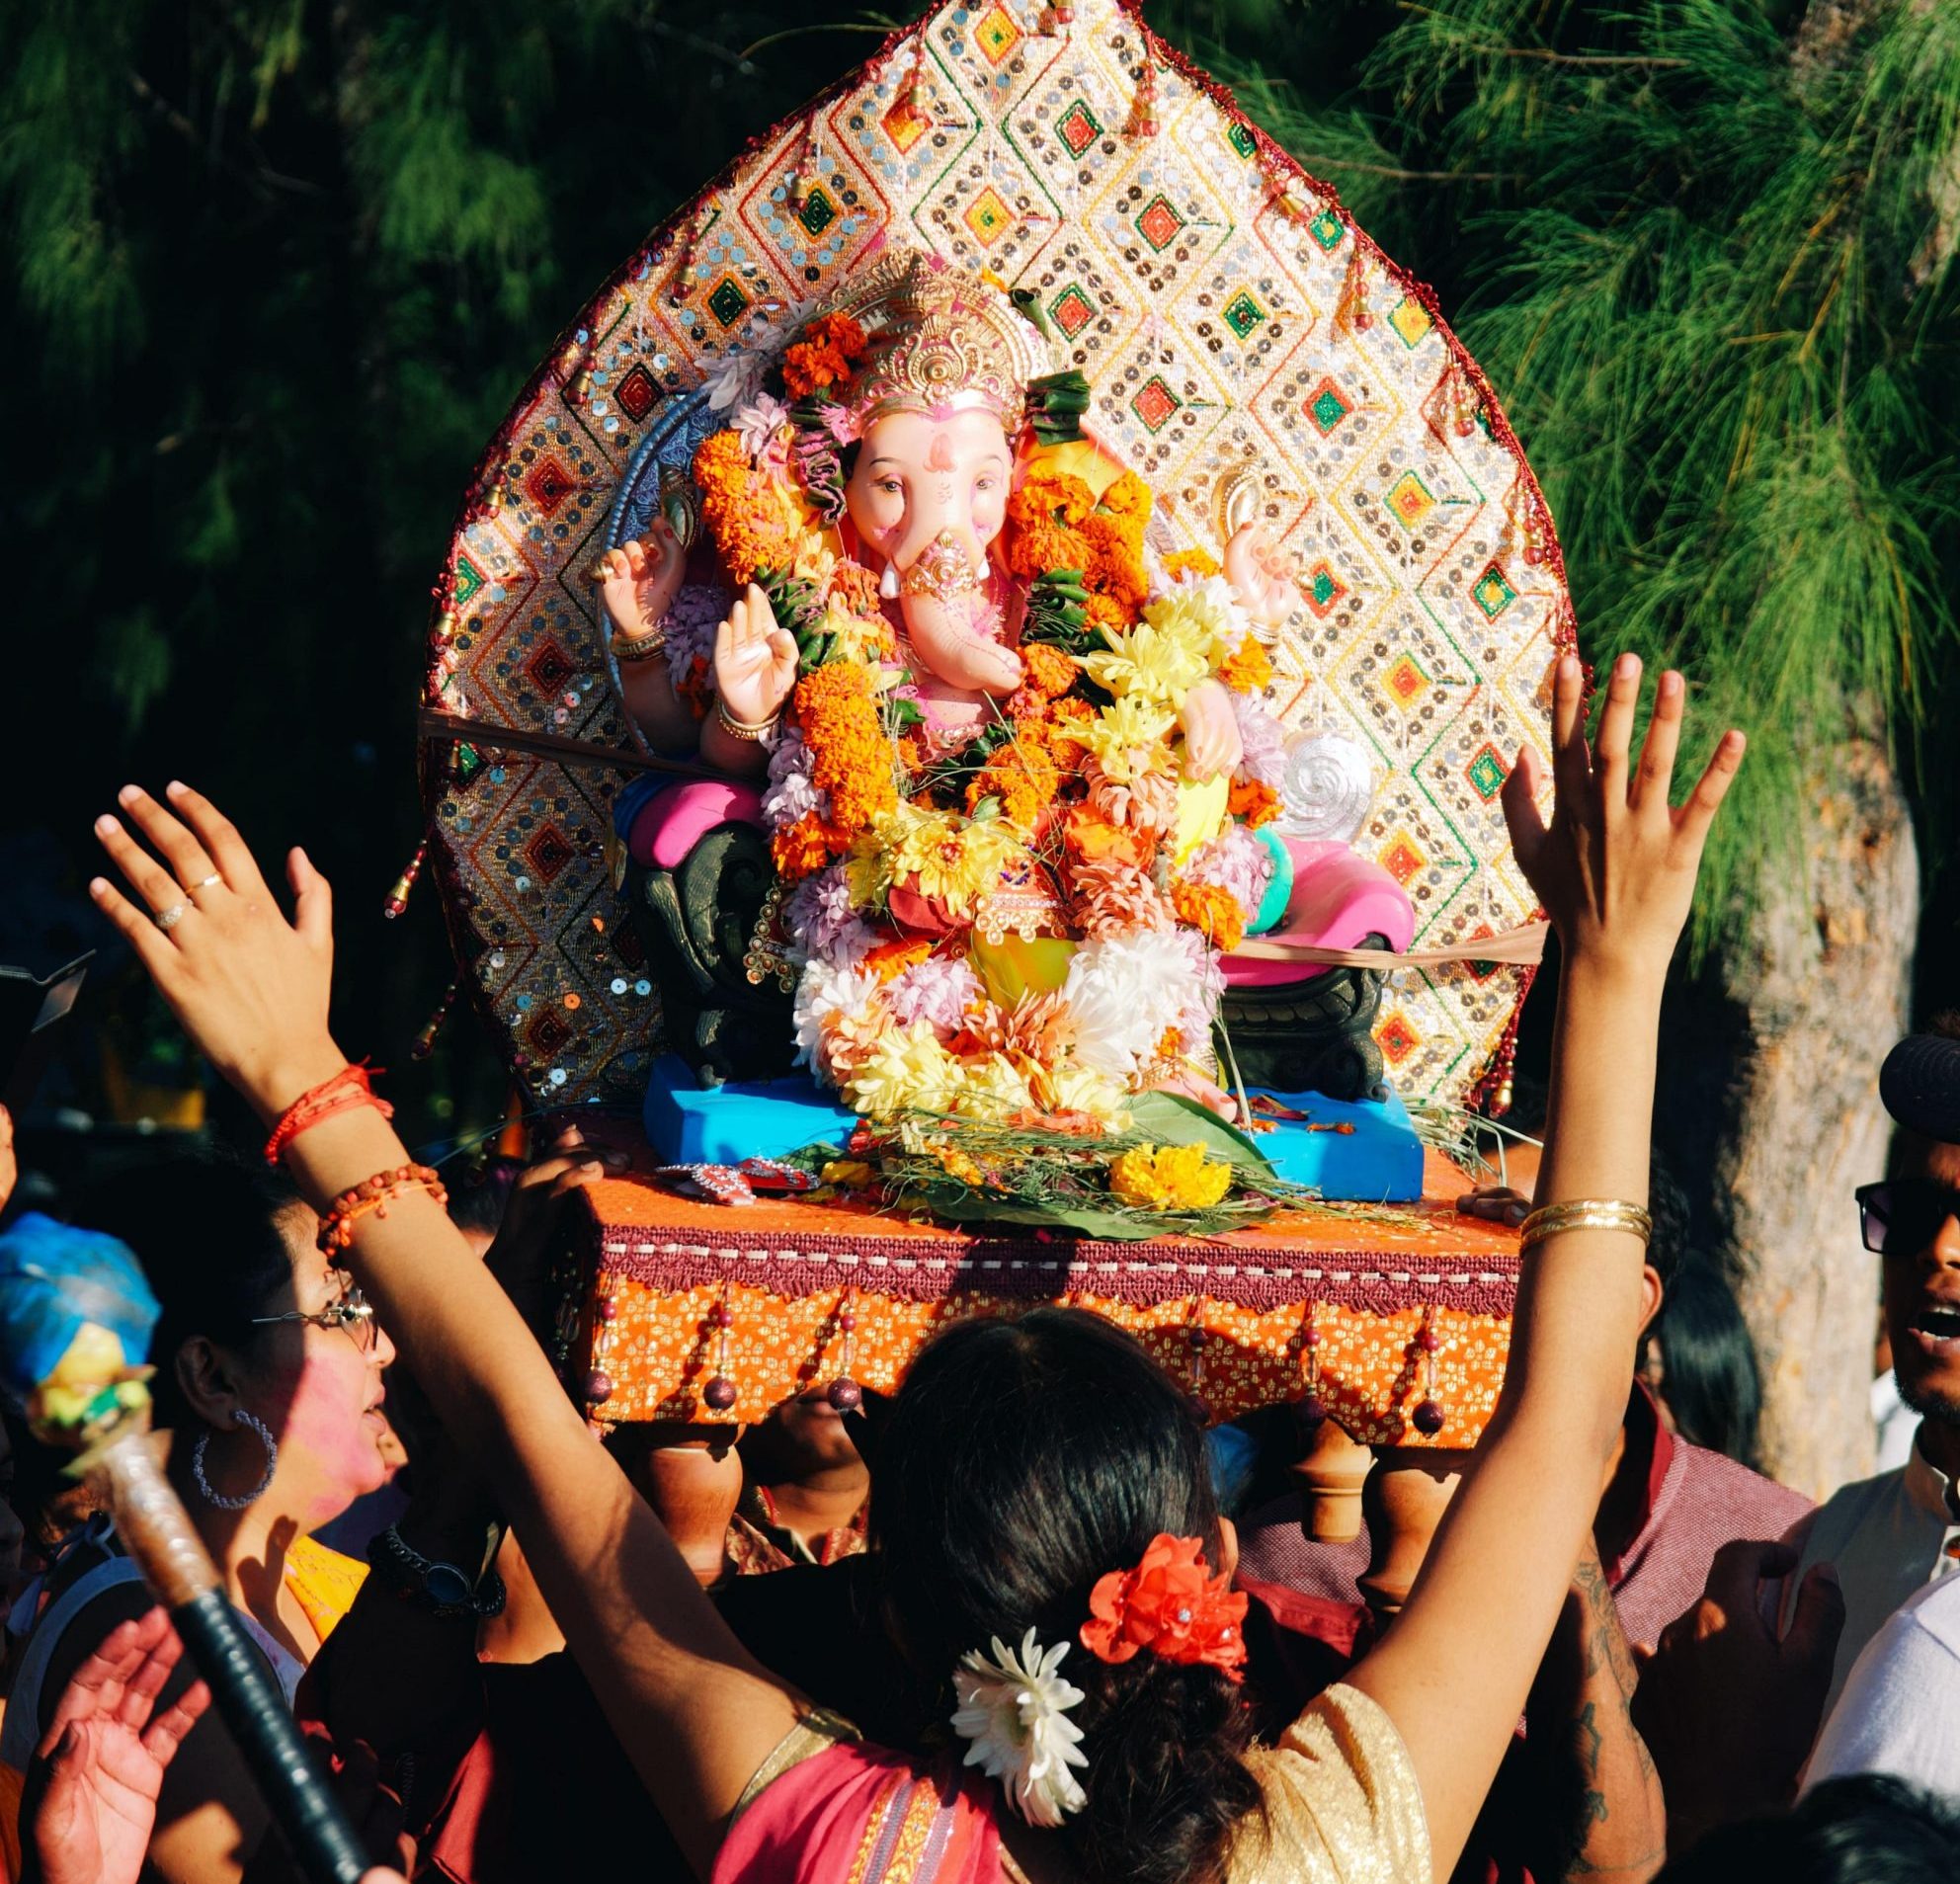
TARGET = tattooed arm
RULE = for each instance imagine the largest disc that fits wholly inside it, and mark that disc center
(1605, 1816)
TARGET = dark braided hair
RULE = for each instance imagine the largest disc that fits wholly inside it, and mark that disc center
(1023, 1461)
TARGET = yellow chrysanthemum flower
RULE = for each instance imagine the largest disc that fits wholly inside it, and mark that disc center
(1169, 1178)
(955, 860)
(1160, 661)
(908, 1070)
(995, 1088)
(1132, 725)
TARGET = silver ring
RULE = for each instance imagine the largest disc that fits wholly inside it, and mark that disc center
(205, 882)
(168, 919)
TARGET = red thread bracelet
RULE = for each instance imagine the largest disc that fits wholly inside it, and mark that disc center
(350, 1087)
(337, 1222)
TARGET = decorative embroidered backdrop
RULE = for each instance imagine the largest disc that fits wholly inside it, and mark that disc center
(1228, 314)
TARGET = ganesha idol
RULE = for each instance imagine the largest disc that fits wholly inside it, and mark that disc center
(998, 797)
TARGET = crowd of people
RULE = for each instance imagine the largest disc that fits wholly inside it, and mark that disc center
(1027, 1620)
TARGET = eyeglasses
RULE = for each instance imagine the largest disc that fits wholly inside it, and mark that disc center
(353, 1315)
(1902, 1218)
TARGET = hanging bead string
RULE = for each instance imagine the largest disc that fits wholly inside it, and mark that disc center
(1283, 186)
(1451, 404)
(1311, 1412)
(720, 1393)
(688, 272)
(1523, 527)
(1429, 1416)
(1143, 107)
(605, 1314)
(397, 898)
(1350, 313)
(425, 1042)
(803, 170)
(1196, 1338)
(844, 1394)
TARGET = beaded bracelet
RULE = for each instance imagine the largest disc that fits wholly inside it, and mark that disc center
(350, 1087)
(1586, 1213)
(373, 1194)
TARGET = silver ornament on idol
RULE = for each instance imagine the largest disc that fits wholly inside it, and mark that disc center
(1327, 787)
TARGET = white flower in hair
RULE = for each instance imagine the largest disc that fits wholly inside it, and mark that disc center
(1015, 1711)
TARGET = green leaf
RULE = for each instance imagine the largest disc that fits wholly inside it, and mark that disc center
(1169, 1118)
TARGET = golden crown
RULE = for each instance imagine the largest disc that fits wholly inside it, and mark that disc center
(940, 341)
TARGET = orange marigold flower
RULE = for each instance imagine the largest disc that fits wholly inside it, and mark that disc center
(746, 517)
(693, 687)
(1191, 562)
(1031, 551)
(1116, 557)
(801, 848)
(889, 960)
(812, 366)
(854, 586)
(1128, 496)
(1254, 802)
(1105, 611)
(1247, 669)
(1091, 836)
(1049, 670)
(839, 331)
(1050, 496)
(1212, 911)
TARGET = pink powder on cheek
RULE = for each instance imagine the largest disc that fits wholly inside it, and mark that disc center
(324, 1433)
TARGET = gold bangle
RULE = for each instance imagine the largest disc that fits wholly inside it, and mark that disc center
(1586, 1213)
(741, 728)
(638, 647)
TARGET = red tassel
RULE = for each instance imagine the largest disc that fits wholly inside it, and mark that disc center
(398, 896)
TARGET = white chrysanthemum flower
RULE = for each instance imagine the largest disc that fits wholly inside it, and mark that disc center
(1014, 1709)
(823, 993)
(1123, 992)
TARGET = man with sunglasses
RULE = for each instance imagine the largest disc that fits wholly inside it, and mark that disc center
(1889, 1538)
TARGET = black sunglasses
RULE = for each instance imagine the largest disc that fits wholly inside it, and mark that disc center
(1903, 1216)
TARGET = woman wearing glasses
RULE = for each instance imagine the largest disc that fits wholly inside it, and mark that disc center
(268, 1380)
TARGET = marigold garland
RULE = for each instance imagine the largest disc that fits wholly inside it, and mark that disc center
(1211, 910)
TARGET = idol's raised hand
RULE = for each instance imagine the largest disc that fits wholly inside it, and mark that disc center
(1616, 868)
(755, 660)
(249, 987)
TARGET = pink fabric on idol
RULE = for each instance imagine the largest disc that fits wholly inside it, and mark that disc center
(868, 1815)
(671, 824)
(1339, 900)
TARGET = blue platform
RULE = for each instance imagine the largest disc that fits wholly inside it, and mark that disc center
(1380, 1162)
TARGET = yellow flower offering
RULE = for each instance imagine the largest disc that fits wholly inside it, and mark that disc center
(1169, 1178)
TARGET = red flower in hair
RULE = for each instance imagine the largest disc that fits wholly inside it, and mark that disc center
(1170, 1605)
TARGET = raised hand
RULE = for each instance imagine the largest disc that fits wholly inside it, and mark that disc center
(755, 660)
(107, 1750)
(1616, 868)
(638, 581)
(1262, 575)
(1211, 731)
(249, 987)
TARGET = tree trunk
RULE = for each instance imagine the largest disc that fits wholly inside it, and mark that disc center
(1820, 990)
